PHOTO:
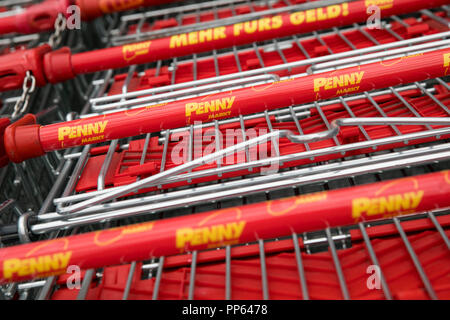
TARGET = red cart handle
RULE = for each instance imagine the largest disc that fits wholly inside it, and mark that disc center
(21, 139)
(243, 224)
(61, 65)
(42, 16)
(14, 67)
(91, 9)
(47, 66)
(35, 18)
(223, 105)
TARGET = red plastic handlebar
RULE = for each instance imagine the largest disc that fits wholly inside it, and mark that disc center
(278, 26)
(14, 66)
(265, 220)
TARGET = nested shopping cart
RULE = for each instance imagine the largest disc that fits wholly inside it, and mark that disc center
(200, 218)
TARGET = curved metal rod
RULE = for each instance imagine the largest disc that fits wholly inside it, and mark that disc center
(314, 137)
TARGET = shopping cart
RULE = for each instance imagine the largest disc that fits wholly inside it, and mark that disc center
(324, 263)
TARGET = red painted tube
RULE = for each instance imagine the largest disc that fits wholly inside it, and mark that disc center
(24, 142)
(7, 25)
(91, 9)
(41, 17)
(241, 33)
(242, 224)
(35, 18)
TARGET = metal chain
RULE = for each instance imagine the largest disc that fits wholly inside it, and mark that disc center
(60, 26)
(29, 85)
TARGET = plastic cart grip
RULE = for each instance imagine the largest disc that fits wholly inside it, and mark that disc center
(14, 66)
(242, 224)
(21, 139)
(4, 160)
